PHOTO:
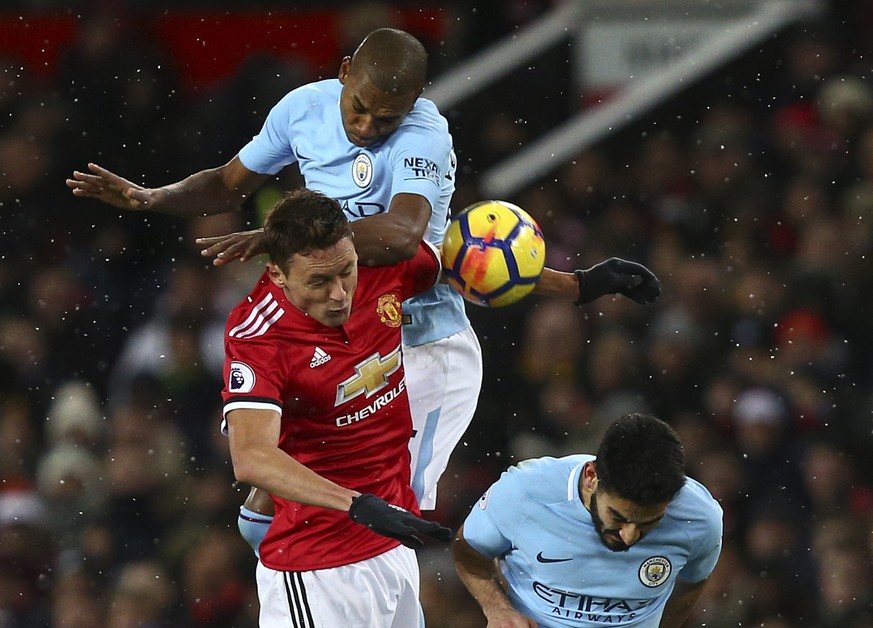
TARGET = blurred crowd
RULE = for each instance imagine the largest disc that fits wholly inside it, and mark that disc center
(751, 198)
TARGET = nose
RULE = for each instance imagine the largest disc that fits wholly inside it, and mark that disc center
(337, 290)
(364, 127)
(629, 533)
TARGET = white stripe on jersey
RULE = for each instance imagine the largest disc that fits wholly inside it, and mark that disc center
(256, 323)
(264, 327)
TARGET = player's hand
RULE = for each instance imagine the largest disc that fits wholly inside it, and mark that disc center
(242, 245)
(509, 618)
(618, 276)
(108, 187)
(395, 522)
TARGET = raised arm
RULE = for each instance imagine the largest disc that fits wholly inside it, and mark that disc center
(612, 276)
(380, 240)
(212, 191)
(482, 578)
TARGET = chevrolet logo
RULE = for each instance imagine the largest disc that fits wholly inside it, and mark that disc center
(370, 376)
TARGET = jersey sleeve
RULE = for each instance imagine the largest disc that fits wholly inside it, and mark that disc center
(422, 271)
(707, 543)
(252, 375)
(422, 157)
(495, 519)
(271, 149)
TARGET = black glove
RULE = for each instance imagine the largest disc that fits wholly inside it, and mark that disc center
(617, 276)
(395, 522)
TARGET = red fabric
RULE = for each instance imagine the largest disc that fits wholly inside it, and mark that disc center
(352, 434)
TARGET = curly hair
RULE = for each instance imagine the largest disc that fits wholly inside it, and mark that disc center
(641, 459)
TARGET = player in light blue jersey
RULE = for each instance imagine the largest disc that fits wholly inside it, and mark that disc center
(622, 538)
(368, 140)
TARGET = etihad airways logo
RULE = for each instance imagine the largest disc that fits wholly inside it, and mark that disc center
(592, 608)
(371, 376)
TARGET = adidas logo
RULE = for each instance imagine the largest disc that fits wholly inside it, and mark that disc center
(319, 357)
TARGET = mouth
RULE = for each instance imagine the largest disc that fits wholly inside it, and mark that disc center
(359, 141)
(614, 542)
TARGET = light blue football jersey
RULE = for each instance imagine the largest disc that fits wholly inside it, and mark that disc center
(306, 127)
(560, 573)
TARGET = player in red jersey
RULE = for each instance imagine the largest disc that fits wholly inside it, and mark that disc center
(317, 415)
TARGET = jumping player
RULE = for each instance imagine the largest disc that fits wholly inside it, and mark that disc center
(317, 416)
(370, 141)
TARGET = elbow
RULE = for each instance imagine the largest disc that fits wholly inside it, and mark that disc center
(245, 470)
(243, 474)
(389, 251)
(407, 249)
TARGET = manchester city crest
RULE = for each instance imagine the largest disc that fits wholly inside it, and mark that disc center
(655, 571)
(362, 170)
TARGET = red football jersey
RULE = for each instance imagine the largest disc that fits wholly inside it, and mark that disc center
(342, 396)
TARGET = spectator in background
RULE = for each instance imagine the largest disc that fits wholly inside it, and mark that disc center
(142, 595)
(19, 438)
(832, 485)
(146, 478)
(27, 559)
(770, 452)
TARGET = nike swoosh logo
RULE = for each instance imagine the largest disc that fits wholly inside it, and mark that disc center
(543, 559)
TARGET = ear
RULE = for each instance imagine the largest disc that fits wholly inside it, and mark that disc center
(589, 476)
(276, 275)
(345, 66)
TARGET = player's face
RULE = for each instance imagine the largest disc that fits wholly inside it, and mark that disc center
(322, 283)
(369, 114)
(621, 523)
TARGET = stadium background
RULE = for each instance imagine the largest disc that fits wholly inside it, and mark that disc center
(750, 194)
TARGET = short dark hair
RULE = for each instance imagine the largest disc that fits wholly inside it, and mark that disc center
(641, 459)
(395, 61)
(303, 221)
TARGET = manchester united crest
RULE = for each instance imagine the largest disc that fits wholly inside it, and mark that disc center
(388, 309)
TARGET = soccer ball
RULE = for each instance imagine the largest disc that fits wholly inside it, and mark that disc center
(493, 253)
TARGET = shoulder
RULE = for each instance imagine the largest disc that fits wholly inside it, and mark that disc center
(426, 112)
(425, 119)
(258, 314)
(317, 92)
(546, 475)
(696, 508)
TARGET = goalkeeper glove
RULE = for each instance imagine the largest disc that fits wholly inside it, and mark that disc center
(395, 522)
(617, 276)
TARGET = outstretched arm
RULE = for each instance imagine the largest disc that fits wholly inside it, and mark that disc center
(380, 240)
(612, 276)
(482, 579)
(204, 193)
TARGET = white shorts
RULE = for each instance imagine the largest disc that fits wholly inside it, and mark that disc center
(443, 380)
(380, 592)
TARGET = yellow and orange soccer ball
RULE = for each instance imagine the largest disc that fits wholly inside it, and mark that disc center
(493, 253)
